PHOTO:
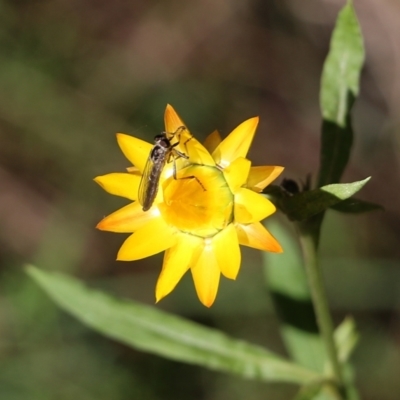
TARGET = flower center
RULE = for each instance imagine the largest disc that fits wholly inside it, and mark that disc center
(198, 201)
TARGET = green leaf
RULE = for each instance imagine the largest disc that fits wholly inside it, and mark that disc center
(145, 328)
(356, 206)
(304, 205)
(336, 143)
(339, 88)
(341, 72)
(346, 338)
(313, 392)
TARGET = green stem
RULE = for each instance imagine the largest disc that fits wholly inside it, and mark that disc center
(309, 238)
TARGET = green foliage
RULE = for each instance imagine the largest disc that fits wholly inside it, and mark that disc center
(287, 281)
(356, 206)
(339, 88)
(346, 338)
(336, 143)
(304, 205)
(341, 72)
(154, 331)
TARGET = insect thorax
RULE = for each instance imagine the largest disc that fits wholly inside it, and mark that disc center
(161, 147)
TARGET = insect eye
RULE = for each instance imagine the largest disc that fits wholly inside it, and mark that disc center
(164, 142)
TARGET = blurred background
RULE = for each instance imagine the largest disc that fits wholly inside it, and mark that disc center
(73, 73)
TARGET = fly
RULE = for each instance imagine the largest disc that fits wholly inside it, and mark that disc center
(161, 153)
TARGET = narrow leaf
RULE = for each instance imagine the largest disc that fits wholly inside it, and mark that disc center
(339, 88)
(356, 206)
(313, 392)
(145, 328)
(304, 205)
(341, 72)
(346, 338)
(336, 143)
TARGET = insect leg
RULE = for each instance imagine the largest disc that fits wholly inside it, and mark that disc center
(178, 133)
(185, 177)
(193, 177)
(179, 153)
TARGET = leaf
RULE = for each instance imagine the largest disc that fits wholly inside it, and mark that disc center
(356, 206)
(312, 392)
(339, 88)
(336, 143)
(346, 338)
(304, 205)
(341, 72)
(145, 328)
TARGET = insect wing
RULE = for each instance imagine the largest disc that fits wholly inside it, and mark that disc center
(145, 182)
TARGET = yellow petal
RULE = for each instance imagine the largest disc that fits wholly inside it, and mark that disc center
(135, 150)
(196, 152)
(212, 141)
(172, 120)
(148, 240)
(120, 184)
(251, 207)
(256, 236)
(188, 145)
(261, 177)
(177, 260)
(128, 219)
(236, 173)
(237, 144)
(206, 275)
(227, 251)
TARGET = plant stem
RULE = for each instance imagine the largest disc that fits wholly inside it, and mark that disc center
(309, 238)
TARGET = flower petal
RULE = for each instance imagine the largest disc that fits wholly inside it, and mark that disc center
(128, 219)
(227, 251)
(188, 145)
(260, 177)
(256, 236)
(120, 184)
(236, 173)
(251, 207)
(212, 141)
(148, 240)
(172, 120)
(197, 153)
(236, 144)
(135, 150)
(206, 275)
(177, 261)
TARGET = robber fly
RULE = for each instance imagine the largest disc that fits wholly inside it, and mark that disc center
(160, 154)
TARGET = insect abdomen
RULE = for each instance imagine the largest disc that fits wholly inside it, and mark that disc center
(152, 188)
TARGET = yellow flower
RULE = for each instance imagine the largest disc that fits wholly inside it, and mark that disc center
(198, 217)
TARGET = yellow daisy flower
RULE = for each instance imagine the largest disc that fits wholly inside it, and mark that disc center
(200, 215)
